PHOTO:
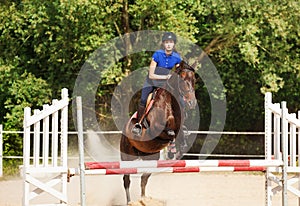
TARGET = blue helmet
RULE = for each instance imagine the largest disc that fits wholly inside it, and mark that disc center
(169, 36)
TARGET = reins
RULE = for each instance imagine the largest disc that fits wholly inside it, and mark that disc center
(181, 93)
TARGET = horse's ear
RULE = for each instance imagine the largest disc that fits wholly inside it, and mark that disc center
(176, 67)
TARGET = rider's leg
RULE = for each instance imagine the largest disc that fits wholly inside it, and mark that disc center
(137, 128)
(140, 111)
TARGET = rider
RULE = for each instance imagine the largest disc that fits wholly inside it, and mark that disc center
(162, 62)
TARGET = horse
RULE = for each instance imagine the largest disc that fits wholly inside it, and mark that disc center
(163, 122)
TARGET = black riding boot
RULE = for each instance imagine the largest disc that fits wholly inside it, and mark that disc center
(137, 128)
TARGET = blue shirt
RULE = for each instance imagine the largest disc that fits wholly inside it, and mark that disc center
(165, 61)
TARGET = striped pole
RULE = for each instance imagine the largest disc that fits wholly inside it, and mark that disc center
(119, 171)
(182, 164)
(174, 166)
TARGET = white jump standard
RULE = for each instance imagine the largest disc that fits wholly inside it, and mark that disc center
(48, 146)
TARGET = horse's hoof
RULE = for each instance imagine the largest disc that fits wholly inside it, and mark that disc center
(171, 133)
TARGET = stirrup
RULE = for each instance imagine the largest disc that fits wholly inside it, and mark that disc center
(137, 129)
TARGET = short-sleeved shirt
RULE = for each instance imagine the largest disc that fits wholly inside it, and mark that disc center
(165, 61)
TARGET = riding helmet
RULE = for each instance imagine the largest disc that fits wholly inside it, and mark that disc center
(169, 36)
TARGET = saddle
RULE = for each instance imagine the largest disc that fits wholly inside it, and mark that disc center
(150, 101)
(149, 105)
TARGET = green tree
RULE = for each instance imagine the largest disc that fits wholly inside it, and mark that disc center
(255, 46)
(18, 92)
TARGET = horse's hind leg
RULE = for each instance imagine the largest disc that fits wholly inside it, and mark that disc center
(144, 180)
(126, 149)
(126, 181)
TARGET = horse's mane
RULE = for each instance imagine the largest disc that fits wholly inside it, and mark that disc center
(184, 66)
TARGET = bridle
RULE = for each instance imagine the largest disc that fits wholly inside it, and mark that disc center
(179, 89)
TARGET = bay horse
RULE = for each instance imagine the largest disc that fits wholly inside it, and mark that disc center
(163, 121)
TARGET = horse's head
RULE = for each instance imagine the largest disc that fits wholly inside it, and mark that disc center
(186, 84)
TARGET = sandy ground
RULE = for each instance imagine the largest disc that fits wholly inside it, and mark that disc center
(207, 189)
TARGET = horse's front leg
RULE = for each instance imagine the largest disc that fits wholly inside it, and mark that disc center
(144, 180)
(126, 181)
(170, 126)
(163, 127)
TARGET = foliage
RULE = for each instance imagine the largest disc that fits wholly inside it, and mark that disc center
(11, 168)
(231, 145)
(18, 92)
(255, 46)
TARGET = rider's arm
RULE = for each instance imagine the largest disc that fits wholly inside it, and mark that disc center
(152, 75)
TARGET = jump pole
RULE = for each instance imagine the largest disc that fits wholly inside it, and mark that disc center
(141, 170)
(284, 130)
(174, 166)
(81, 150)
(182, 163)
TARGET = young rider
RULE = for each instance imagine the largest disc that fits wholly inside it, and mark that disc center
(162, 62)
